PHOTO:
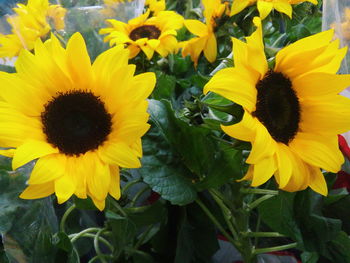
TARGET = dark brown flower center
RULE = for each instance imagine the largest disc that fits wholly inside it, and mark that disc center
(146, 31)
(76, 122)
(278, 106)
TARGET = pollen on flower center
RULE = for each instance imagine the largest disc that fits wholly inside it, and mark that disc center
(146, 31)
(278, 106)
(76, 122)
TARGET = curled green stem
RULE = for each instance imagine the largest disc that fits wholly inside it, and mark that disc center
(130, 184)
(76, 236)
(138, 195)
(117, 205)
(101, 239)
(65, 216)
(97, 238)
(100, 257)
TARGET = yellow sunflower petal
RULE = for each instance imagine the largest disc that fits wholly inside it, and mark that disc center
(13, 88)
(31, 150)
(144, 84)
(249, 174)
(284, 162)
(264, 8)
(232, 83)
(263, 171)
(38, 191)
(241, 58)
(47, 169)
(255, 45)
(119, 154)
(98, 180)
(77, 169)
(153, 43)
(317, 84)
(196, 27)
(283, 7)
(148, 51)
(263, 146)
(317, 181)
(113, 58)
(326, 116)
(210, 50)
(114, 187)
(300, 175)
(194, 47)
(79, 61)
(100, 204)
(64, 188)
(244, 130)
(238, 6)
(8, 152)
(305, 44)
(318, 151)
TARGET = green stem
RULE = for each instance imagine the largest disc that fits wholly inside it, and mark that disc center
(258, 201)
(96, 246)
(215, 221)
(104, 241)
(77, 254)
(257, 229)
(117, 205)
(74, 237)
(129, 184)
(143, 236)
(262, 234)
(65, 216)
(258, 191)
(226, 213)
(274, 249)
(138, 195)
(101, 257)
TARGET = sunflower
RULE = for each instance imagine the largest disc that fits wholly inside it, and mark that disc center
(292, 113)
(30, 22)
(155, 6)
(266, 6)
(205, 40)
(157, 33)
(83, 121)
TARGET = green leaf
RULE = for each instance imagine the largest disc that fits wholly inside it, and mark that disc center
(338, 249)
(161, 168)
(84, 204)
(299, 216)
(201, 153)
(165, 86)
(278, 214)
(197, 240)
(340, 210)
(27, 226)
(124, 231)
(147, 215)
(309, 257)
(62, 241)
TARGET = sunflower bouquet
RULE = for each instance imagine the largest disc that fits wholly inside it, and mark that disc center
(174, 131)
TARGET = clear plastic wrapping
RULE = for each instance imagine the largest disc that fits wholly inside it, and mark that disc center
(336, 14)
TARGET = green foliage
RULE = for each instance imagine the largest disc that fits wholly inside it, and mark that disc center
(300, 217)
